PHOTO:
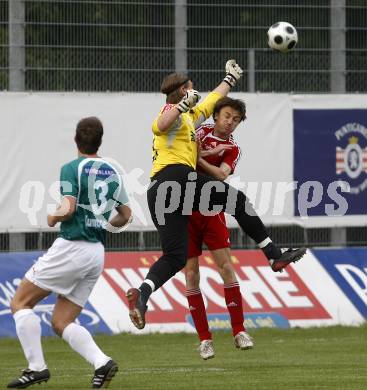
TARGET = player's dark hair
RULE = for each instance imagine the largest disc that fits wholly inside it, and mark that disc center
(88, 135)
(171, 84)
(236, 104)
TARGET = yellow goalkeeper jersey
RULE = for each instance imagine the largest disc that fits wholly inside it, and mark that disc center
(178, 145)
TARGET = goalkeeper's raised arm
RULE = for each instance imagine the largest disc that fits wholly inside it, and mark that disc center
(204, 110)
(181, 96)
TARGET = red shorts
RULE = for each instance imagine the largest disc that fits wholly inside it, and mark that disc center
(212, 230)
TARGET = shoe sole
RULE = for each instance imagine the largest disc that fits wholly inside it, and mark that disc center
(134, 313)
(297, 257)
(244, 348)
(207, 358)
(29, 384)
(301, 253)
(111, 373)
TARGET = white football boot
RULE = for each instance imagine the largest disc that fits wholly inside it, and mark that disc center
(243, 341)
(206, 349)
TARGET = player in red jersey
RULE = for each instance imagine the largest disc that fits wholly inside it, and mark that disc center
(218, 158)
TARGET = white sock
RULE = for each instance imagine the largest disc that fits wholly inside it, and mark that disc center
(81, 341)
(149, 283)
(28, 327)
(263, 244)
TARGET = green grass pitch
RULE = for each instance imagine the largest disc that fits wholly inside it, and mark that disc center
(318, 358)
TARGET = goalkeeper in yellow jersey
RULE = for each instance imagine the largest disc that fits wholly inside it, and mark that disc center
(176, 188)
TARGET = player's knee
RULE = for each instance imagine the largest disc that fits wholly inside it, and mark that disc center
(192, 278)
(178, 262)
(15, 305)
(58, 325)
(226, 271)
(177, 258)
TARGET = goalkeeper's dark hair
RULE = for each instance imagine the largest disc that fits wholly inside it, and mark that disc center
(88, 135)
(171, 84)
(236, 104)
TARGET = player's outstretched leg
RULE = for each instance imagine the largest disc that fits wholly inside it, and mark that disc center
(103, 375)
(242, 340)
(136, 308)
(280, 260)
(252, 225)
(29, 378)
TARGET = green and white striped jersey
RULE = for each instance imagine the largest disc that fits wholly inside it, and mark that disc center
(98, 188)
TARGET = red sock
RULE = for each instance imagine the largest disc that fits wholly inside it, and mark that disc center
(198, 313)
(233, 297)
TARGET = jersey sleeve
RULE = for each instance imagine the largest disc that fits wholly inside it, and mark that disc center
(204, 110)
(200, 134)
(69, 185)
(165, 108)
(232, 157)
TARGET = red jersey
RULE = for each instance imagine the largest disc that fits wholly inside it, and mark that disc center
(208, 141)
(211, 230)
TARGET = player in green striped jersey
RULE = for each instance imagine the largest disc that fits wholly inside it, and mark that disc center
(91, 188)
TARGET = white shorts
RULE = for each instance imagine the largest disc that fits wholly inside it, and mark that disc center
(69, 268)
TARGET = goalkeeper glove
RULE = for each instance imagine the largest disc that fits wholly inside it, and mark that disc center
(233, 73)
(189, 101)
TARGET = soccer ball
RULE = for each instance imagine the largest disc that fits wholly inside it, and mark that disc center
(282, 36)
